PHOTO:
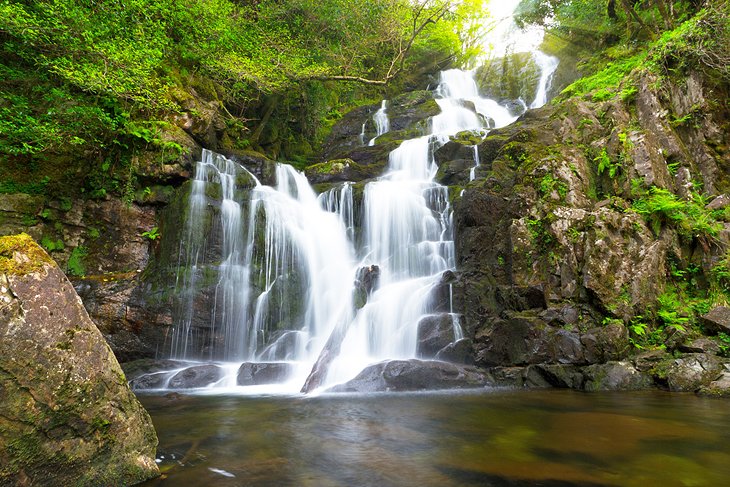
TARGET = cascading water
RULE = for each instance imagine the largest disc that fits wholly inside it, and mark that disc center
(382, 123)
(284, 289)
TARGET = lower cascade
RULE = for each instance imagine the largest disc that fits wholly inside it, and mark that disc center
(310, 289)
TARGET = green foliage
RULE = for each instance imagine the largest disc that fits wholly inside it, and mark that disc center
(52, 245)
(689, 217)
(152, 234)
(724, 343)
(549, 183)
(605, 164)
(75, 265)
(605, 83)
(540, 234)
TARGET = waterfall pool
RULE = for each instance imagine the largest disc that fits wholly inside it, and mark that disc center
(485, 438)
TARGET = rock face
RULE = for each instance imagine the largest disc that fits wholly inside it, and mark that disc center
(415, 375)
(67, 416)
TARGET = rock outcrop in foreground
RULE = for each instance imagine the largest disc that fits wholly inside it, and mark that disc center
(67, 416)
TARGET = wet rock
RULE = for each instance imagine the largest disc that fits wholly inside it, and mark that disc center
(256, 373)
(67, 416)
(434, 333)
(455, 172)
(453, 150)
(282, 348)
(138, 368)
(615, 376)
(366, 281)
(717, 320)
(415, 375)
(196, 376)
(458, 352)
(405, 112)
(689, 373)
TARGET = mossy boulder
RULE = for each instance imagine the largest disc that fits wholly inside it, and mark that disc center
(67, 416)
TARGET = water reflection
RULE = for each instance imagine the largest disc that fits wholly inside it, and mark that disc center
(546, 438)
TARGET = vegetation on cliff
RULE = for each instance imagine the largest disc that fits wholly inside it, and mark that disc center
(648, 118)
(104, 87)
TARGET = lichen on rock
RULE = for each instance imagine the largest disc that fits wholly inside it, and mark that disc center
(67, 416)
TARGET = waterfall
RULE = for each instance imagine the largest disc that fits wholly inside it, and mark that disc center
(281, 265)
(548, 65)
(382, 124)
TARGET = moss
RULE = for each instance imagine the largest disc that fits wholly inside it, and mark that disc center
(33, 256)
(335, 166)
(75, 264)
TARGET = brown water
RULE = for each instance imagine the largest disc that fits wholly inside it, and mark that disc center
(504, 438)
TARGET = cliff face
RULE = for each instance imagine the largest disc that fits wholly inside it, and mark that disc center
(596, 228)
(67, 416)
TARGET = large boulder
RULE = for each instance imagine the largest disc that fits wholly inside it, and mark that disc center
(415, 375)
(67, 416)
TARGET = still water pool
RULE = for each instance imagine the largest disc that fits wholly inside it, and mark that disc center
(498, 438)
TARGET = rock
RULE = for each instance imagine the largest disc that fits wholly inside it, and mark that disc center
(718, 203)
(415, 375)
(717, 320)
(139, 368)
(689, 373)
(196, 376)
(512, 77)
(615, 376)
(255, 373)
(458, 352)
(562, 376)
(283, 347)
(524, 339)
(701, 345)
(609, 342)
(67, 416)
(719, 387)
(366, 281)
(341, 170)
(434, 333)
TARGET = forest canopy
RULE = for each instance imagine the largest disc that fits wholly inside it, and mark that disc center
(89, 72)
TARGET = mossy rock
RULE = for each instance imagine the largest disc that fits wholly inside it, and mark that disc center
(20, 255)
(67, 416)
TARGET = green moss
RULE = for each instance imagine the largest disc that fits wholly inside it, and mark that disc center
(33, 256)
(75, 265)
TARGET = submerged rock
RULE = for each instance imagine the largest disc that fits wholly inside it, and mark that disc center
(67, 416)
(415, 375)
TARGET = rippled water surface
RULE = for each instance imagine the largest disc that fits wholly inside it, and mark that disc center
(504, 438)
